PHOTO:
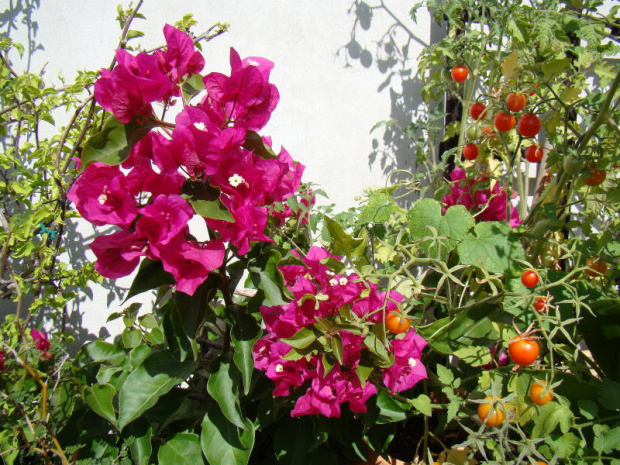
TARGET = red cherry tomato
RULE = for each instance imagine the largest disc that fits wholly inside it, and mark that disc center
(540, 304)
(596, 176)
(534, 154)
(516, 102)
(596, 267)
(529, 278)
(459, 73)
(529, 125)
(477, 111)
(470, 151)
(523, 351)
(504, 122)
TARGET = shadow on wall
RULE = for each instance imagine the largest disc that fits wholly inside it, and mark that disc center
(392, 46)
(18, 15)
(17, 21)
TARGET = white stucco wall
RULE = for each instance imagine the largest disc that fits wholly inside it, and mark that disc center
(328, 101)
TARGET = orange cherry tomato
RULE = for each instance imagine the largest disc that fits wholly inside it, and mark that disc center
(459, 73)
(397, 323)
(523, 350)
(504, 122)
(516, 102)
(489, 414)
(596, 267)
(536, 394)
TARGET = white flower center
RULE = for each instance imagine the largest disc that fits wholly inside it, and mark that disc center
(412, 362)
(279, 368)
(343, 281)
(252, 62)
(333, 282)
(200, 126)
(236, 180)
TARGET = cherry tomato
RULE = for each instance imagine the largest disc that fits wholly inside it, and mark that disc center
(534, 154)
(396, 322)
(596, 176)
(470, 151)
(572, 164)
(459, 73)
(529, 125)
(496, 416)
(523, 351)
(504, 122)
(529, 278)
(516, 102)
(477, 111)
(536, 394)
(474, 132)
(596, 267)
(540, 304)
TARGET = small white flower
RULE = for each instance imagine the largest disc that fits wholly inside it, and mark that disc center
(333, 282)
(102, 199)
(343, 281)
(279, 368)
(252, 62)
(412, 362)
(200, 126)
(236, 180)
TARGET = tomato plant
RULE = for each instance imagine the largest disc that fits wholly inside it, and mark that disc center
(504, 122)
(397, 323)
(537, 396)
(523, 350)
(477, 111)
(529, 278)
(516, 102)
(490, 414)
(534, 154)
(529, 125)
(459, 73)
(596, 176)
(470, 151)
(596, 267)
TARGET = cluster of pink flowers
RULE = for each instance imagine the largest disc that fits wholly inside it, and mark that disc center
(2, 367)
(41, 343)
(321, 293)
(205, 151)
(484, 202)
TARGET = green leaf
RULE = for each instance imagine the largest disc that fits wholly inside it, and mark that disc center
(343, 244)
(222, 387)
(474, 356)
(205, 199)
(245, 332)
(182, 449)
(423, 404)
(609, 395)
(390, 410)
(113, 144)
(139, 435)
(131, 34)
(293, 440)
(302, 338)
(100, 398)
(378, 209)
(550, 416)
(131, 337)
(608, 442)
(99, 352)
(453, 225)
(377, 348)
(254, 143)
(445, 375)
(222, 442)
(151, 275)
(193, 85)
(147, 383)
(566, 445)
(212, 209)
(494, 248)
(266, 276)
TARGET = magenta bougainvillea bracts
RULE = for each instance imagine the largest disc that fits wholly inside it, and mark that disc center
(206, 148)
(484, 202)
(324, 300)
